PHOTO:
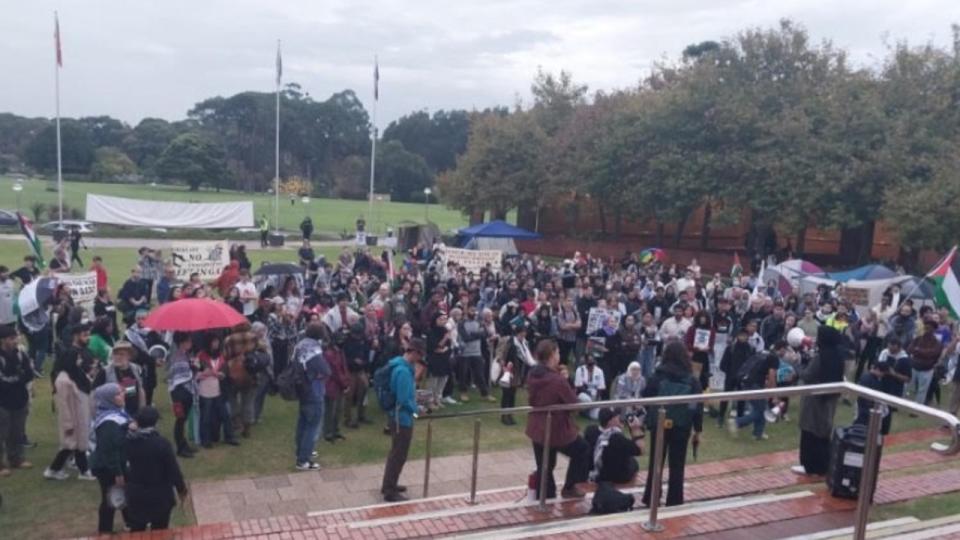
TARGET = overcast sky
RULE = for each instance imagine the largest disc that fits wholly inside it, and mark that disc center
(140, 58)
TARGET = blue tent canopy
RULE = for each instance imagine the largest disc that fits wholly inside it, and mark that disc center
(870, 271)
(498, 229)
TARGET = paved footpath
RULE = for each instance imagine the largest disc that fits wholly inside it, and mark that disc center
(332, 489)
(349, 487)
(164, 243)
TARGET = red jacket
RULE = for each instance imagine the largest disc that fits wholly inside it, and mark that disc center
(547, 387)
(339, 380)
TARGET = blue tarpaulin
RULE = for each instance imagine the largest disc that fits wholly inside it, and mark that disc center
(497, 229)
(870, 271)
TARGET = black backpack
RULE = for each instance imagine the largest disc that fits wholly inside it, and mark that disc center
(608, 500)
(751, 372)
(292, 381)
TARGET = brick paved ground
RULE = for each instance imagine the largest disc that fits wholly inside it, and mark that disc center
(407, 521)
(351, 487)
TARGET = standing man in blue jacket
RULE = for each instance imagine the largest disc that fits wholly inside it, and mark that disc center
(403, 387)
(309, 352)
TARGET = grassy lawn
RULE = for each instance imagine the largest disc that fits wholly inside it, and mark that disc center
(329, 215)
(35, 508)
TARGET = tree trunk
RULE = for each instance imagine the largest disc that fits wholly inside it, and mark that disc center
(603, 219)
(498, 214)
(476, 217)
(705, 228)
(618, 217)
(801, 244)
(866, 244)
(681, 225)
(659, 234)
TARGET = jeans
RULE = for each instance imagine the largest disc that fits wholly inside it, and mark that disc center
(577, 471)
(308, 426)
(648, 361)
(213, 415)
(12, 425)
(332, 408)
(471, 367)
(757, 408)
(399, 447)
(38, 344)
(920, 384)
(263, 388)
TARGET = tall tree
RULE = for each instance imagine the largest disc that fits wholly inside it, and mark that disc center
(76, 148)
(194, 159)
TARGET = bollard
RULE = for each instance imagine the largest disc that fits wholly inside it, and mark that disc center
(651, 525)
(544, 465)
(426, 463)
(476, 461)
(869, 472)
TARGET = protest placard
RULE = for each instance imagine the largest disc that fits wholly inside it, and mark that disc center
(858, 296)
(474, 260)
(83, 289)
(602, 317)
(205, 258)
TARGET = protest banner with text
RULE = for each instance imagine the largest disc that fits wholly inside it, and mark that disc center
(204, 258)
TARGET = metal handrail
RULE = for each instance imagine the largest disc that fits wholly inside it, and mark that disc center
(870, 456)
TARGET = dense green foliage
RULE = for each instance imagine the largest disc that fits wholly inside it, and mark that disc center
(765, 122)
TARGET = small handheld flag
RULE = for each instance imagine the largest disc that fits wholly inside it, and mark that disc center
(26, 227)
(944, 276)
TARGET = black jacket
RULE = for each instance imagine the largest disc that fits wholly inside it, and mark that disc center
(153, 472)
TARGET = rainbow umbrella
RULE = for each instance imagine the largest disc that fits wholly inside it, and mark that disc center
(649, 255)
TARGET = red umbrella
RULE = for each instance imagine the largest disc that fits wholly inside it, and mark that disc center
(192, 314)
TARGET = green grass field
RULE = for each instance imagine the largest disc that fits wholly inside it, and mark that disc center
(329, 215)
(34, 508)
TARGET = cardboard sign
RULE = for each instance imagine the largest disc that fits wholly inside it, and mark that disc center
(205, 258)
(474, 260)
(83, 288)
(858, 296)
(601, 317)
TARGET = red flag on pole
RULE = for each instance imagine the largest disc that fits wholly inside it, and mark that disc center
(56, 36)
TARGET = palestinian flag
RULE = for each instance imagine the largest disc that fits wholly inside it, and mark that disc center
(26, 227)
(737, 269)
(944, 277)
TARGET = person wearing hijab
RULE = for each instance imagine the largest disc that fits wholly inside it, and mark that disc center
(71, 376)
(108, 461)
(817, 412)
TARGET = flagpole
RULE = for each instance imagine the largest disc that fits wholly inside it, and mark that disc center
(276, 164)
(56, 70)
(373, 146)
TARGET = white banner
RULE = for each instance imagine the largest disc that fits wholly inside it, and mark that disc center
(83, 289)
(140, 213)
(205, 258)
(600, 318)
(474, 260)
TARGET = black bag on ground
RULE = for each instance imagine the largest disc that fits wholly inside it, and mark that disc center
(608, 500)
(846, 461)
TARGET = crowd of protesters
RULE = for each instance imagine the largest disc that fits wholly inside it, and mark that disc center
(577, 331)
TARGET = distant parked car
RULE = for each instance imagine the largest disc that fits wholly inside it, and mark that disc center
(85, 227)
(8, 218)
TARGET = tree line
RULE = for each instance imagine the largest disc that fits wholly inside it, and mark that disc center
(228, 142)
(765, 122)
